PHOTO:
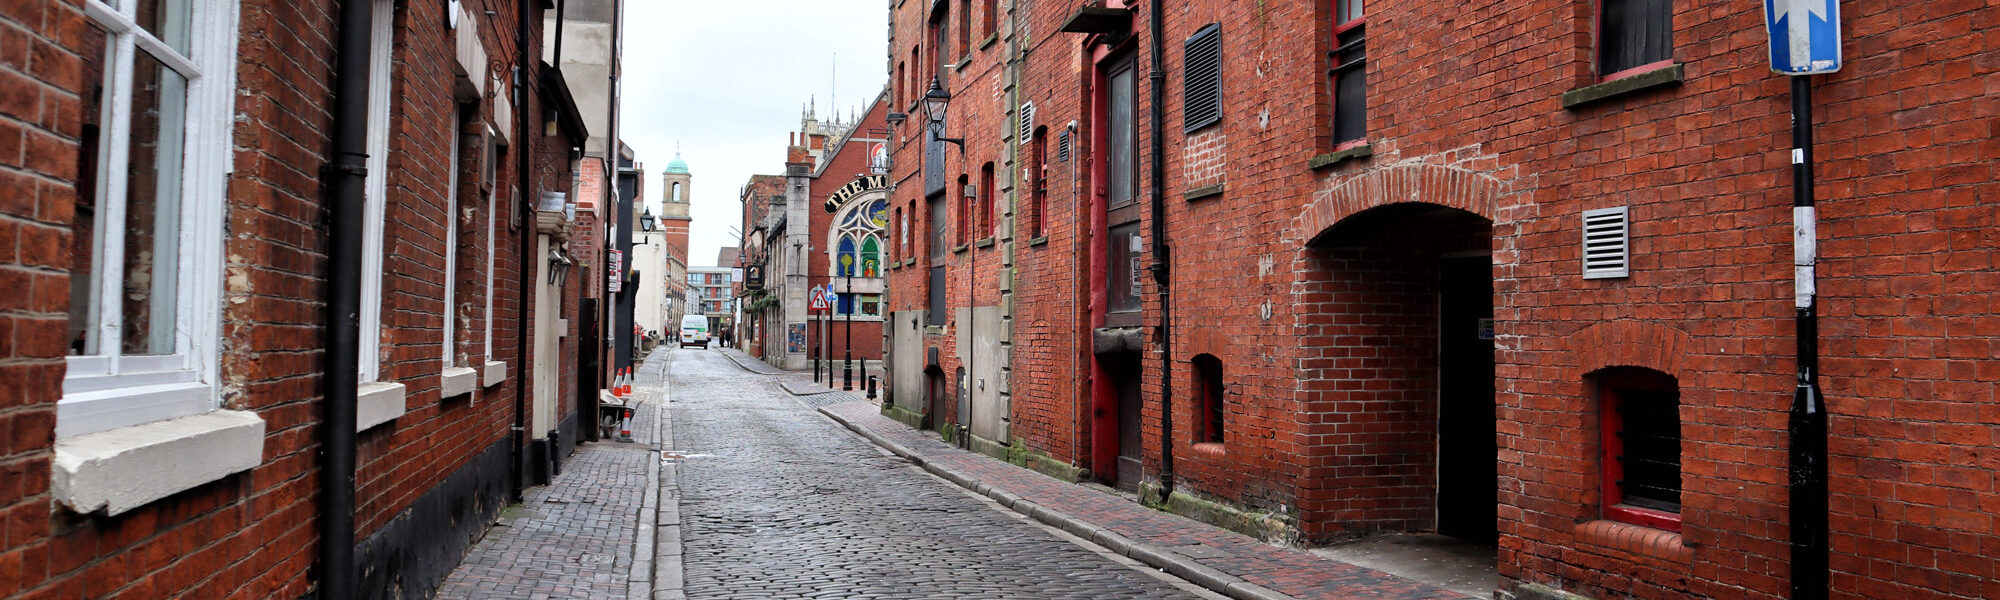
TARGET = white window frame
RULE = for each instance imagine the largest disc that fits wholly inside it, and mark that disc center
(450, 331)
(381, 50)
(108, 390)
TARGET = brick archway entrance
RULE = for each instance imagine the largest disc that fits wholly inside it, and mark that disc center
(1395, 320)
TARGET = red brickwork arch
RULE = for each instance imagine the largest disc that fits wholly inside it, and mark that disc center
(1629, 344)
(1443, 185)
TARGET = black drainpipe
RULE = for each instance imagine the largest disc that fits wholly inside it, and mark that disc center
(1161, 267)
(346, 181)
(522, 318)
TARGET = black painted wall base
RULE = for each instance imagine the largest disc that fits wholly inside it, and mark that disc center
(410, 557)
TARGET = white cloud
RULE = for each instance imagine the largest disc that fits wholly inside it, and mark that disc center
(727, 81)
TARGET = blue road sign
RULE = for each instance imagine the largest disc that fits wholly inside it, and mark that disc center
(1805, 35)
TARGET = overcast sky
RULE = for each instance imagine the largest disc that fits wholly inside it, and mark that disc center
(727, 80)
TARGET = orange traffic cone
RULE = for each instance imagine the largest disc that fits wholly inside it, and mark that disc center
(627, 387)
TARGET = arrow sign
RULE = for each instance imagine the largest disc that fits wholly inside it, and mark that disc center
(1805, 35)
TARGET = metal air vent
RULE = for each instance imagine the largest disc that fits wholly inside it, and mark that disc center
(1607, 237)
(1027, 122)
(1062, 146)
(1201, 79)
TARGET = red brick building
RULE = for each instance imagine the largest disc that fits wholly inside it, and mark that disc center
(823, 223)
(170, 172)
(1348, 247)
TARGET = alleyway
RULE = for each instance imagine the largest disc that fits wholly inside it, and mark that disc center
(757, 493)
(780, 502)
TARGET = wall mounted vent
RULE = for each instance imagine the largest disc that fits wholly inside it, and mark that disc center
(1607, 243)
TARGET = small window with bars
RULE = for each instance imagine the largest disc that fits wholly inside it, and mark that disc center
(1640, 419)
(1349, 75)
(1607, 243)
(1201, 79)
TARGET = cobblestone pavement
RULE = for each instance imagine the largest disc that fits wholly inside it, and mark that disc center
(779, 502)
(1203, 547)
(574, 538)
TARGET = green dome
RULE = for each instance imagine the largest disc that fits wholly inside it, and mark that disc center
(678, 165)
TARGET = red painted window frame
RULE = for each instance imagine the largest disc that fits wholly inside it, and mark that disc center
(1609, 424)
(1332, 85)
(990, 17)
(1597, 51)
(965, 210)
(1038, 182)
(964, 30)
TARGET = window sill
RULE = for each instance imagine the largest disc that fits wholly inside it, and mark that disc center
(1630, 84)
(963, 63)
(1635, 540)
(1203, 193)
(990, 38)
(1336, 157)
(122, 469)
(933, 330)
(1210, 450)
(959, 249)
(493, 373)
(457, 381)
(378, 402)
(983, 243)
(1038, 241)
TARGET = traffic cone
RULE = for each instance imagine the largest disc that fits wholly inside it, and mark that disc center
(628, 381)
(617, 382)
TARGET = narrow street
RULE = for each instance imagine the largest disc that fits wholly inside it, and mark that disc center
(778, 501)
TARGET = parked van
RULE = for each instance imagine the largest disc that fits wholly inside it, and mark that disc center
(694, 331)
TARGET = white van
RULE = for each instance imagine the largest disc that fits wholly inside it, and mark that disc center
(694, 331)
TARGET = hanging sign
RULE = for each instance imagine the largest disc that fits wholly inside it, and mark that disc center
(864, 184)
(1805, 35)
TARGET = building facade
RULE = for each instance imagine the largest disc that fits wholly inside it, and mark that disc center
(185, 184)
(1497, 278)
(826, 228)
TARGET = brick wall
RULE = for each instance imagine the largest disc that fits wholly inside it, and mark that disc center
(1465, 113)
(253, 535)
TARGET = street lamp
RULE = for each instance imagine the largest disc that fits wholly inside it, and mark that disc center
(647, 220)
(936, 102)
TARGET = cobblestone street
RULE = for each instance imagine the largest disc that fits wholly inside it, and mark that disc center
(779, 502)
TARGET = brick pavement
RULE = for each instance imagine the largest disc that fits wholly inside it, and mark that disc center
(575, 537)
(1190, 545)
(777, 502)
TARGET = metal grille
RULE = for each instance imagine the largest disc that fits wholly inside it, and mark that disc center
(1062, 146)
(1651, 456)
(1606, 243)
(1201, 79)
(1027, 122)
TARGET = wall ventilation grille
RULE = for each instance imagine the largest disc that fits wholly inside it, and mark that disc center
(1027, 122)
(1607, 243)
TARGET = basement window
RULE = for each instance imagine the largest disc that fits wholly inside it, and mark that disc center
(1641, 442)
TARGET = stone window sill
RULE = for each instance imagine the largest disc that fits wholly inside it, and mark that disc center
(1039, 241)
(459, 381)
(378, 402)
(1203, 193)
(983, 242)
(1338, 156)
(990, 38)
(1630, 84)
(959, 249)
(493, 373)
(121, 469)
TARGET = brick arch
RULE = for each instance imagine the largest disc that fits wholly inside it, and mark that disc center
(1629, 344)
(1443, 185)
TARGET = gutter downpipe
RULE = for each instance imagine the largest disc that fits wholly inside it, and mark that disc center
(347, 178)
(517, 458)
(1161, 267)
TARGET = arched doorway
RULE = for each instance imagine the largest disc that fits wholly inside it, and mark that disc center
(1401, 307)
